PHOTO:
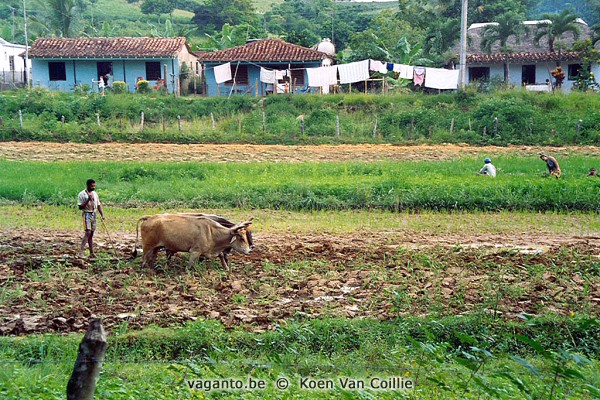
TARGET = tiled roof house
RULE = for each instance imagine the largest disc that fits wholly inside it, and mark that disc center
(62, 63)
(528, 63)
(247, 60)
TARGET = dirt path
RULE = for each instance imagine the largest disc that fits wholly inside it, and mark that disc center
(43, 151)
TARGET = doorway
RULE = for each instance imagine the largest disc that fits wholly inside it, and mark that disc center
(528, 74)
(105, 70)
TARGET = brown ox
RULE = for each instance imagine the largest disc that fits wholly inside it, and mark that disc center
(198, 235)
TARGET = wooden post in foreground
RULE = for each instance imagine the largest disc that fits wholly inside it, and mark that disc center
(86, 371)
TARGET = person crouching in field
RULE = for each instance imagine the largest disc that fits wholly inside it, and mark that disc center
(488, 168)
(89, 204)
(552, 164)
(593, 172)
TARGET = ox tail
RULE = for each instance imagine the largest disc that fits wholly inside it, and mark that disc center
(138, 252)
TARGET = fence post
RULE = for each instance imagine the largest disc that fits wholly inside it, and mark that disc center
(142, 120)
(264, 121)
(90, 356)
(121, 121)
(164, 122)
(577, 129)
(531, 126)
(484, 130)
(1, 121)
(302, 124)
(62, 119)
(21, 119)
(98, 119)
(179, 122)
(375, 128)
(212, 118)
(337, 124)
(452, 126)
(495, 126)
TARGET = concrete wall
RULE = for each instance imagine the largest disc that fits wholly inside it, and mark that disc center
(86, 71)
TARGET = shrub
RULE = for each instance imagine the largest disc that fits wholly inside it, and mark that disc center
(143, 86)
(119, 87)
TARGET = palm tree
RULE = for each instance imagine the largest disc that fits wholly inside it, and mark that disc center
(556, 26)
(507, 25)
(58, 17)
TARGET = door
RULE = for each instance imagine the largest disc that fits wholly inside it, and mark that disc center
(105, 70)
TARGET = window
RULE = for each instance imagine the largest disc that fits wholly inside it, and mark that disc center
(479, 73)
(57, 71)
(240, 77)
(153, 71)
(573, 71)
(11, 63)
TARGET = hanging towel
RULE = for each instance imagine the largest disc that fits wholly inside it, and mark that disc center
(404, 71)
(378, 66)
(390, 66)
(440, 78)
(419, 75)
(266, 75)
(354, 72)
(223, 73)
(322, 76)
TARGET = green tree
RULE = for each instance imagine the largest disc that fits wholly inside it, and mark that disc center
(556, 26)
(158, 7)
(213, 14)
(507, 25)
(229, 36)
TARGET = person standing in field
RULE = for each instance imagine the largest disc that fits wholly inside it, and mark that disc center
(89, 204)
(552, 164)
(488, 168)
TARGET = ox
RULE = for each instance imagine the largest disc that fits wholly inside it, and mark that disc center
(194, 233)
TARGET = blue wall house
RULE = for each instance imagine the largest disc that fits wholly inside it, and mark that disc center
(62, 63)
(247, 60)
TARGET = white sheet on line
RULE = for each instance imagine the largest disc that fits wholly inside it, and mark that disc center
(223, 73)
(440, 78)
(354, 72)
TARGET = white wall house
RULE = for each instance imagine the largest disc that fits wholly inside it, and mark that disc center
(12, 64)
(529, 64)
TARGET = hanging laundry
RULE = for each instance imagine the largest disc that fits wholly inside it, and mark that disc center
(378, 66)
(266, 75)
(440, 78)
(404, 71)
(390, 66)
(223, 73)
(419, 75)
(354, 72)
(322, 76)
(280, 74)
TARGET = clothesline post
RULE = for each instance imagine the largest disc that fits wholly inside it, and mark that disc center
(375, 128)
(256, 88)
(366, 87)
(337, 124)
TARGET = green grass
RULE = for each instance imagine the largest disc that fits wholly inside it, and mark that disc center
(393, 186)
(459, 357)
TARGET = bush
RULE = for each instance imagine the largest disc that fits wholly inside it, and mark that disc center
(142, 86)
(119, 87)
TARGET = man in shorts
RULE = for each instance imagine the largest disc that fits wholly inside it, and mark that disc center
(89, 204)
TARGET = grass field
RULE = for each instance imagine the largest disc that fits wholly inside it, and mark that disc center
(393, 186)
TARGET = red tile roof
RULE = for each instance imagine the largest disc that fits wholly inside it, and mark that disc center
(264, 50)
(126, 47)
(523, 57)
